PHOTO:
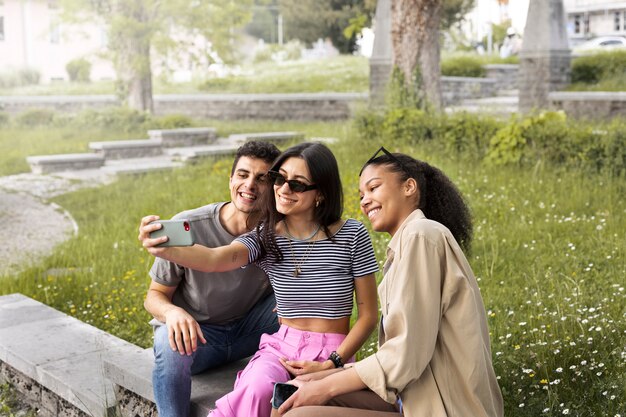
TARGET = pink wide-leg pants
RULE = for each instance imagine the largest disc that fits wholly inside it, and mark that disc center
(255, 383)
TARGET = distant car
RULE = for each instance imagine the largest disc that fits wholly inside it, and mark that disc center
(602, 43)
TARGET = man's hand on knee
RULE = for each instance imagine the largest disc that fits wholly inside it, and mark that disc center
(183, 331)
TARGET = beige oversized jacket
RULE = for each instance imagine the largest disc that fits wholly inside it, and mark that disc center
(434, 343)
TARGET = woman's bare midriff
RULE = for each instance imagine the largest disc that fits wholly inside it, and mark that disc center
(317, 325)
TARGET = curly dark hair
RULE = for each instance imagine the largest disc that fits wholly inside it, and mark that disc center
(439, 198)
(265, 151)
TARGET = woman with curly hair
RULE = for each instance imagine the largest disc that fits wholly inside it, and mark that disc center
(434, 357)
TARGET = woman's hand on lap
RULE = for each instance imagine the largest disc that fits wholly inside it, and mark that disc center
(298, 368)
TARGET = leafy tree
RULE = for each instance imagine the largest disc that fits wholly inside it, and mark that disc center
(339, 20)
(454, 11)
(137, 30)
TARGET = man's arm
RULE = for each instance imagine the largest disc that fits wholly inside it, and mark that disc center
(183, 330)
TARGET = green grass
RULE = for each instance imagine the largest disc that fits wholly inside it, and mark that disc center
(341, 74)
(615, 83)
(344, 73)
(548, 253)
(16, 143)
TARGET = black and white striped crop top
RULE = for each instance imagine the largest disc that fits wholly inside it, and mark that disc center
(324, 286)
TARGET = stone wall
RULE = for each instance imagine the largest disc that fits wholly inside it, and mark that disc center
(48, 403)
(589, 104)
(541, 73)
(314, 106)
(506, 75)
(455, 89)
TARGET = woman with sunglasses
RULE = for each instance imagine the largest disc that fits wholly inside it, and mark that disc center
(434, 357)
(316, 264)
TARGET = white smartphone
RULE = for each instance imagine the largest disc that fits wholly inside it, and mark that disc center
(178, 232)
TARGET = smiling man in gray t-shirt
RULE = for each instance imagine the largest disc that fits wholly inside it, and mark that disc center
(201, 319)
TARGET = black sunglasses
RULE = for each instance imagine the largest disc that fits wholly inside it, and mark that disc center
(294, 185)
(391, 156)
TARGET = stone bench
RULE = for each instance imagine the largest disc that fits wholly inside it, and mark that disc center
(190, 136)
(119, 149)
(206, 151)
(44, 164)
(274, 137)
(131, 376)
(68, 368)
(589, 104)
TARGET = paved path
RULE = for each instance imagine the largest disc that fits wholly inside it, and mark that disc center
(30, 226)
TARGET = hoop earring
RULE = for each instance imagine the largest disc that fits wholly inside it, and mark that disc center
(317, 203)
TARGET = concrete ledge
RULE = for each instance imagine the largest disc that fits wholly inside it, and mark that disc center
(589, 104)
(68, 368)
(190, 136)
(120, 149)
(208, 151)
(303, 106)
(44, 164)
(54, 359)
(131, 375)
(274, 137)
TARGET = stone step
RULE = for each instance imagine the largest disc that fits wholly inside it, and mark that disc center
(131, 375)
(140, 165)
(134, 148)
(189, 136)
(45, 164)
(222, 146)
(274, 137)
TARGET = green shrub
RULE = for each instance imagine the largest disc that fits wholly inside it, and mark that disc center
(614, 146)
(462, 66)
(369, 126)
(4, 119)
(171, 121)
(591, 69)
(409, 125)
(18, 78)
(216, 84)
(79, 70)
(468, 135)
(29, 76)
(113, 119)
(507, 145)
(35, 118)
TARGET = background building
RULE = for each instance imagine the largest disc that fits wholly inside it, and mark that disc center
(592, 18)
(32, 36)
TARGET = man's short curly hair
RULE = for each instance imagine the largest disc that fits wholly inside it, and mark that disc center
(265, 151)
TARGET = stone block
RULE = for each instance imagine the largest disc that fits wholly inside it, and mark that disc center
(130, 404)
(120, 149)
(131, 373)
(190, 136)
(49, 404)
(16, 308)
(28, 389)
(274, 137)
(45, 164)
(589, 104)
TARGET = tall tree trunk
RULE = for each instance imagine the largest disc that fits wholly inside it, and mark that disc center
(415, 41)
(132, 34)
(139, 82)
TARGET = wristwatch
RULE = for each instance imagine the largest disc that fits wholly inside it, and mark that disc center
(335, 358)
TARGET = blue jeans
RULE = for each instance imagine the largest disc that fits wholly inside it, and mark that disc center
(171, 377)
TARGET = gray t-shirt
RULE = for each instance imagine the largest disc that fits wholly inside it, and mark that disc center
(211, 297)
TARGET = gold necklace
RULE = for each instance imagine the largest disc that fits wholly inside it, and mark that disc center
(298, 269)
